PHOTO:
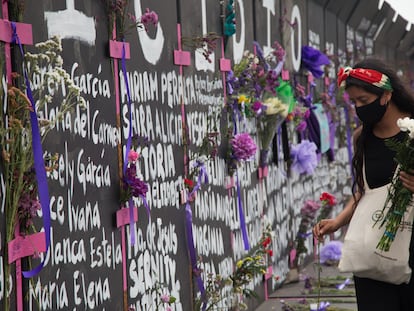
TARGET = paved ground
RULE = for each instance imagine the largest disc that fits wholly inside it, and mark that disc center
(295, 293)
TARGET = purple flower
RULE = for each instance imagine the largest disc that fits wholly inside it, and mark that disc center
(309, 209)
(260, 54)
(231, 81)
(301, 126)
(257, 107)
(131, 171)
(304, 158)
(244, 147)
(165, 298)
(331, 251)
(138, 187)
(149, 17)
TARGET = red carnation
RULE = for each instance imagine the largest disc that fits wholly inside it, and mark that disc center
(328, 199)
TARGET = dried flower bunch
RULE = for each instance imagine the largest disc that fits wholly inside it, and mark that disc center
(206, 44)
(15, 129)
(118, 15)
(16, 138)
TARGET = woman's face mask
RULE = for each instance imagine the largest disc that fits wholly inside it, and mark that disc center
(371, 113)
(367, 105)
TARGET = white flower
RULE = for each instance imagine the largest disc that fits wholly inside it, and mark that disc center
(406, 125)
(202, 159)
(276, 106)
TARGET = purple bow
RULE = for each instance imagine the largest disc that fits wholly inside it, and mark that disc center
(342, 285)
(313, 59)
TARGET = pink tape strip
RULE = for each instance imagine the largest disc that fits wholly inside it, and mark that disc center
(285, 75)
(225, 64)
(230, 182)
(115, 49)
(24, 31)
(26, 246)
(182, 58)
(267, 276)
(122, 216)
(265, 171)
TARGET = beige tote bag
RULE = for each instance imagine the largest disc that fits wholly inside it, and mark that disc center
(359, 252)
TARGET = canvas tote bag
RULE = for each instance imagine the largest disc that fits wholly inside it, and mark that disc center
(359, 252)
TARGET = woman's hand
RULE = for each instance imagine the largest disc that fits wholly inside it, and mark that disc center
(323, 227)
(407, 180)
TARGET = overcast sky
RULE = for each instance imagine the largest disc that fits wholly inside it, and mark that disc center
(405, 8)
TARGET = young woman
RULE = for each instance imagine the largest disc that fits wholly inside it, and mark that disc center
(380, 99)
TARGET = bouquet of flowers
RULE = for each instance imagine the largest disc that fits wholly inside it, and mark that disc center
(132, 185)
(275, 112)
(398, 197)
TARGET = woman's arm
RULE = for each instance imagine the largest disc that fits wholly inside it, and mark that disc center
(328, 226)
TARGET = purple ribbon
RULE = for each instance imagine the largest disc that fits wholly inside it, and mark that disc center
(144, 200)
(129, 143)
(342, 285)
(305, 235)
(242, 220)
(239, 199)
(39, 164)
(189, 225)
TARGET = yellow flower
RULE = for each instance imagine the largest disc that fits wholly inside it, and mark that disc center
(242, 99)
(276, 106)
(239, 263)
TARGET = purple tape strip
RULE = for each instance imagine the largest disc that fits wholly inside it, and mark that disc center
(39, 163)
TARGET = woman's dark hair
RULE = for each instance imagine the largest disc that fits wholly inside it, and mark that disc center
(401, 97)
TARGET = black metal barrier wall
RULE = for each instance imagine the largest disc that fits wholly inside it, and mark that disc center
(91, 263)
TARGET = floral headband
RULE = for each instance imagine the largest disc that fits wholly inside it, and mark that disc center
(371, 76)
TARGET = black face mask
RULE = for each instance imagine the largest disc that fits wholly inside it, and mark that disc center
(371, 113)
